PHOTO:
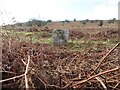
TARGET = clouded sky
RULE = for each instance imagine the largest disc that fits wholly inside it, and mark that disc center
(56, 10)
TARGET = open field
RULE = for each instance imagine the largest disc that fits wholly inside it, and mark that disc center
(88, 62)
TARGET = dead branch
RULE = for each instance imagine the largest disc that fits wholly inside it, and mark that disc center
(105, 57)
(26, 71)
(108, 71)
(1, 81)
(116, 86)
(23, 62)
(99, 79)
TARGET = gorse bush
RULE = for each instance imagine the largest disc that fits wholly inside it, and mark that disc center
(100, 23)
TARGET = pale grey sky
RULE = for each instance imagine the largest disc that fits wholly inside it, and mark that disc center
(56, 10)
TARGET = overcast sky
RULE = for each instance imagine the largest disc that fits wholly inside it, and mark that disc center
(24, 10)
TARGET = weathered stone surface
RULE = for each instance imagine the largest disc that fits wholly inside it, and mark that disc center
(60, 37)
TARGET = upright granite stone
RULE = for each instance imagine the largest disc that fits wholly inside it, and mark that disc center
(60, 37)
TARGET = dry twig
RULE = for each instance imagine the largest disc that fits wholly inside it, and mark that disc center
(116, 85)
(26, 71)
(8, 79)
(108, 71)
(105, 88)
(105, 57)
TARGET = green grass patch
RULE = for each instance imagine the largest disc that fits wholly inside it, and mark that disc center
(82, 44)
(77, 44)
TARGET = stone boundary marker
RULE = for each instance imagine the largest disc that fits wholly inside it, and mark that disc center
(60, 37)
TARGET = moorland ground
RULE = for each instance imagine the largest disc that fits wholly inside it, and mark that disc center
(61, 67)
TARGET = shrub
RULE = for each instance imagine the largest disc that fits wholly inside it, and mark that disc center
(100, 23)
(36, 22)
(83, 22)
(112, 20)
(66, 21)
(49, 20)
(74, 20)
